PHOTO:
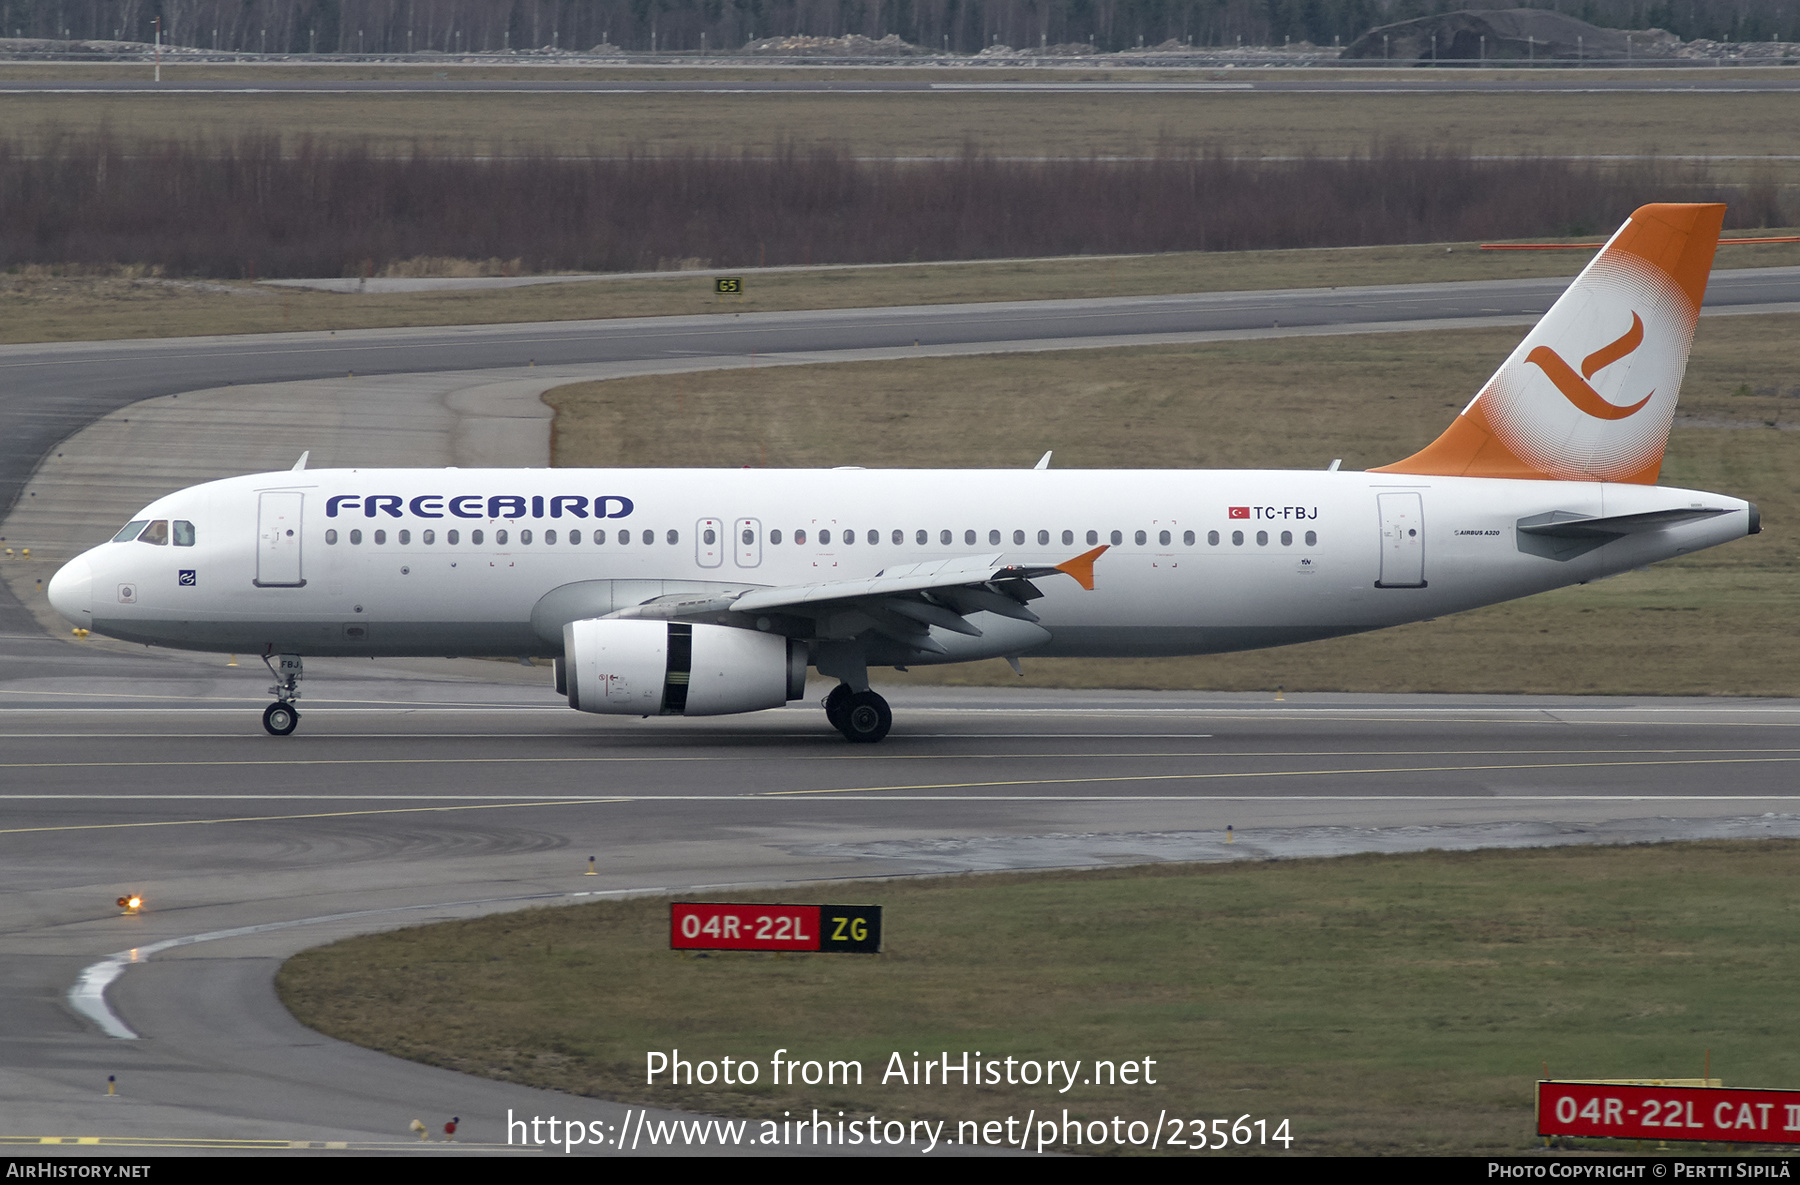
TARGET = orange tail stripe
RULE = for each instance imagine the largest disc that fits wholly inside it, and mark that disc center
(1575, 388)
(1606, 355)
(1082, 566)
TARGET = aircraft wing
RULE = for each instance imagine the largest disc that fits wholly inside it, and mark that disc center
(902, 602)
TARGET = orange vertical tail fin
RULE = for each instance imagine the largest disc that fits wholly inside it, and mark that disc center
(1590, 393)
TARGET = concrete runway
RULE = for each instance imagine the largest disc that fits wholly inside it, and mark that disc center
(423, 790)
(415, 792)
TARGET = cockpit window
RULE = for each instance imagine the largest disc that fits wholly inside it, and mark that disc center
(130, 530)
(184, 533)
(157, 533)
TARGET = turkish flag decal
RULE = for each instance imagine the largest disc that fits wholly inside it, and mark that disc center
(1239, 512)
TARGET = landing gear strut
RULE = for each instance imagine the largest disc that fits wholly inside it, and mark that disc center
(282, 717)
(862, 716)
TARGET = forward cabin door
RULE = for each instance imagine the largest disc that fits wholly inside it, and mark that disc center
(1402, 541)
(278, 539)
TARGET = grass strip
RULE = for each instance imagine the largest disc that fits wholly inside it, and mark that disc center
(904, 125)
(67, 304)
(1384, 1004)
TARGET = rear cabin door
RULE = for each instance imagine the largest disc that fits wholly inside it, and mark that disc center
(278, 539)
(1402, 541)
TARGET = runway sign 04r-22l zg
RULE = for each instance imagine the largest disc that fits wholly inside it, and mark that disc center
(712, 925)
(1711, 1114)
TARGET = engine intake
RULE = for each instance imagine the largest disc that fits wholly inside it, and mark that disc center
(632, 667)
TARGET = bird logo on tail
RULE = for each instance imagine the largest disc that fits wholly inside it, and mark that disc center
(1575, 388)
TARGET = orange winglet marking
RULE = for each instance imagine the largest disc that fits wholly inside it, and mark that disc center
(1082, 566)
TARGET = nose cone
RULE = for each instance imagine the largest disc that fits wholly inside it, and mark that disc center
(71, 591)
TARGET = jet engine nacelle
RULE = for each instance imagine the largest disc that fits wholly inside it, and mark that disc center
(632, 667)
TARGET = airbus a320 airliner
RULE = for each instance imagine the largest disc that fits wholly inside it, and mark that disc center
(702, 592)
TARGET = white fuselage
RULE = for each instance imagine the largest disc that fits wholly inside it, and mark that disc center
(362, 562)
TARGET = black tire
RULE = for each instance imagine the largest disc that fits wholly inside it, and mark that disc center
(866, 718)
(281, 719)
(835, 703)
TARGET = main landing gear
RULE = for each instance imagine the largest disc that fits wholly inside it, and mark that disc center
(862, 716)
(282, 717)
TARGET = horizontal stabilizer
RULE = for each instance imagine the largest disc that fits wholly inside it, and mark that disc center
(1565, 534)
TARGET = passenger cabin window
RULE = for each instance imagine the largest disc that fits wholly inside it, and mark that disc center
(1163, 538)
(800, 536)
(1043, 538)
(1118, 537)
(599, 537)
(356, 536)
(922, 538)
(775, 536)
(899, 537)
(428, 537)
(1237, 538)
(874, 537)
(1068, 538)
(824, 536)
(130, 530)
(1018, 538)
(709, 536)
(331, 536)
(1262, 538)
(474, 538)
(1139, 538)
(1287, 538)
(993, 538)
(184, 533)
(525, 537)
(549, 537)
(673, 537)
(157, 533)
(452, 538)
(499, 538)
(849, 536)
(381, 537)
(1187, 537)
(405, 538)
(1212, 538)
(649, 536)
(1312, 538)
(1094, 537)
(944, 538)
(969, 538)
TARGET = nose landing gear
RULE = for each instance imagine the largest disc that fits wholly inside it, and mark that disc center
(282, 717)
(862, 716)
